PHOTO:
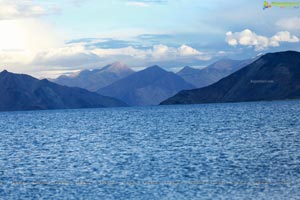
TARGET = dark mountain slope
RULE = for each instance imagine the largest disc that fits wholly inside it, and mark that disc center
(275, 76)
(23, 92)
(212, 73)
(146, 87)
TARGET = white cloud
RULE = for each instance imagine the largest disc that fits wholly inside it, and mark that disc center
(283, 36)
(161, 52)
(77, 54)
(251, 39)
(127, 51)
(292, 23)
(137, 4)
(157, 52)
(185, 50)
(12, 58)
(144, 3)
(12, 9)
(66, 52)
(80, 55)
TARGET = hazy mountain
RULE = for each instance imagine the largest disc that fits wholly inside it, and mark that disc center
(274, 76)
(146, 87)
(23, 92)
(93, 80)
(212, 73)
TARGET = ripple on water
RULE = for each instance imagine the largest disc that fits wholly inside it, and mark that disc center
(213, 151)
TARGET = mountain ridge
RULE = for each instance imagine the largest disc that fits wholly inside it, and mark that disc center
(24, 92)
(95, 79)
(212, 73)
(146, 87)
(274, 76)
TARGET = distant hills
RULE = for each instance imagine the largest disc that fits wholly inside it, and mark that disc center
(274, 76)
(93, 80)
(23, 92)
(150, 86)
(146, 87)
(212, 73)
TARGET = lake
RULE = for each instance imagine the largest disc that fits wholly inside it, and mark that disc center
(209, 151)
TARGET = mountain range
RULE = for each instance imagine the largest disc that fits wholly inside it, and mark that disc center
(147, 87)
(95, 79)
(274, 76)
(23, 92)
(212, 73)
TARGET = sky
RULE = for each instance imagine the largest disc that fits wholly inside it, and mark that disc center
(47, 38)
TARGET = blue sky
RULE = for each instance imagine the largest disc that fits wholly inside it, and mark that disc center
(51, 37)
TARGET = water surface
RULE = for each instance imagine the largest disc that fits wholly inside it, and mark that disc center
(211, 151)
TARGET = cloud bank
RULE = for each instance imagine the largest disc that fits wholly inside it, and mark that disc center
(80, 55)
(251, 39)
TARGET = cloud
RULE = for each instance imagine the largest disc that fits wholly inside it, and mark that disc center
(185, 50)
(12, 58)
(251, 39)
(30, 46)
(292, 23)
(161, 52)
(156, 52)
(144, 3)
(77, 55)
(65, 57)
(129, 52)
(137, 4)
(23, 8)
(73, 56)
(283, 36)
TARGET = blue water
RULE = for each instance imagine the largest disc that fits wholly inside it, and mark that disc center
(213, 151)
